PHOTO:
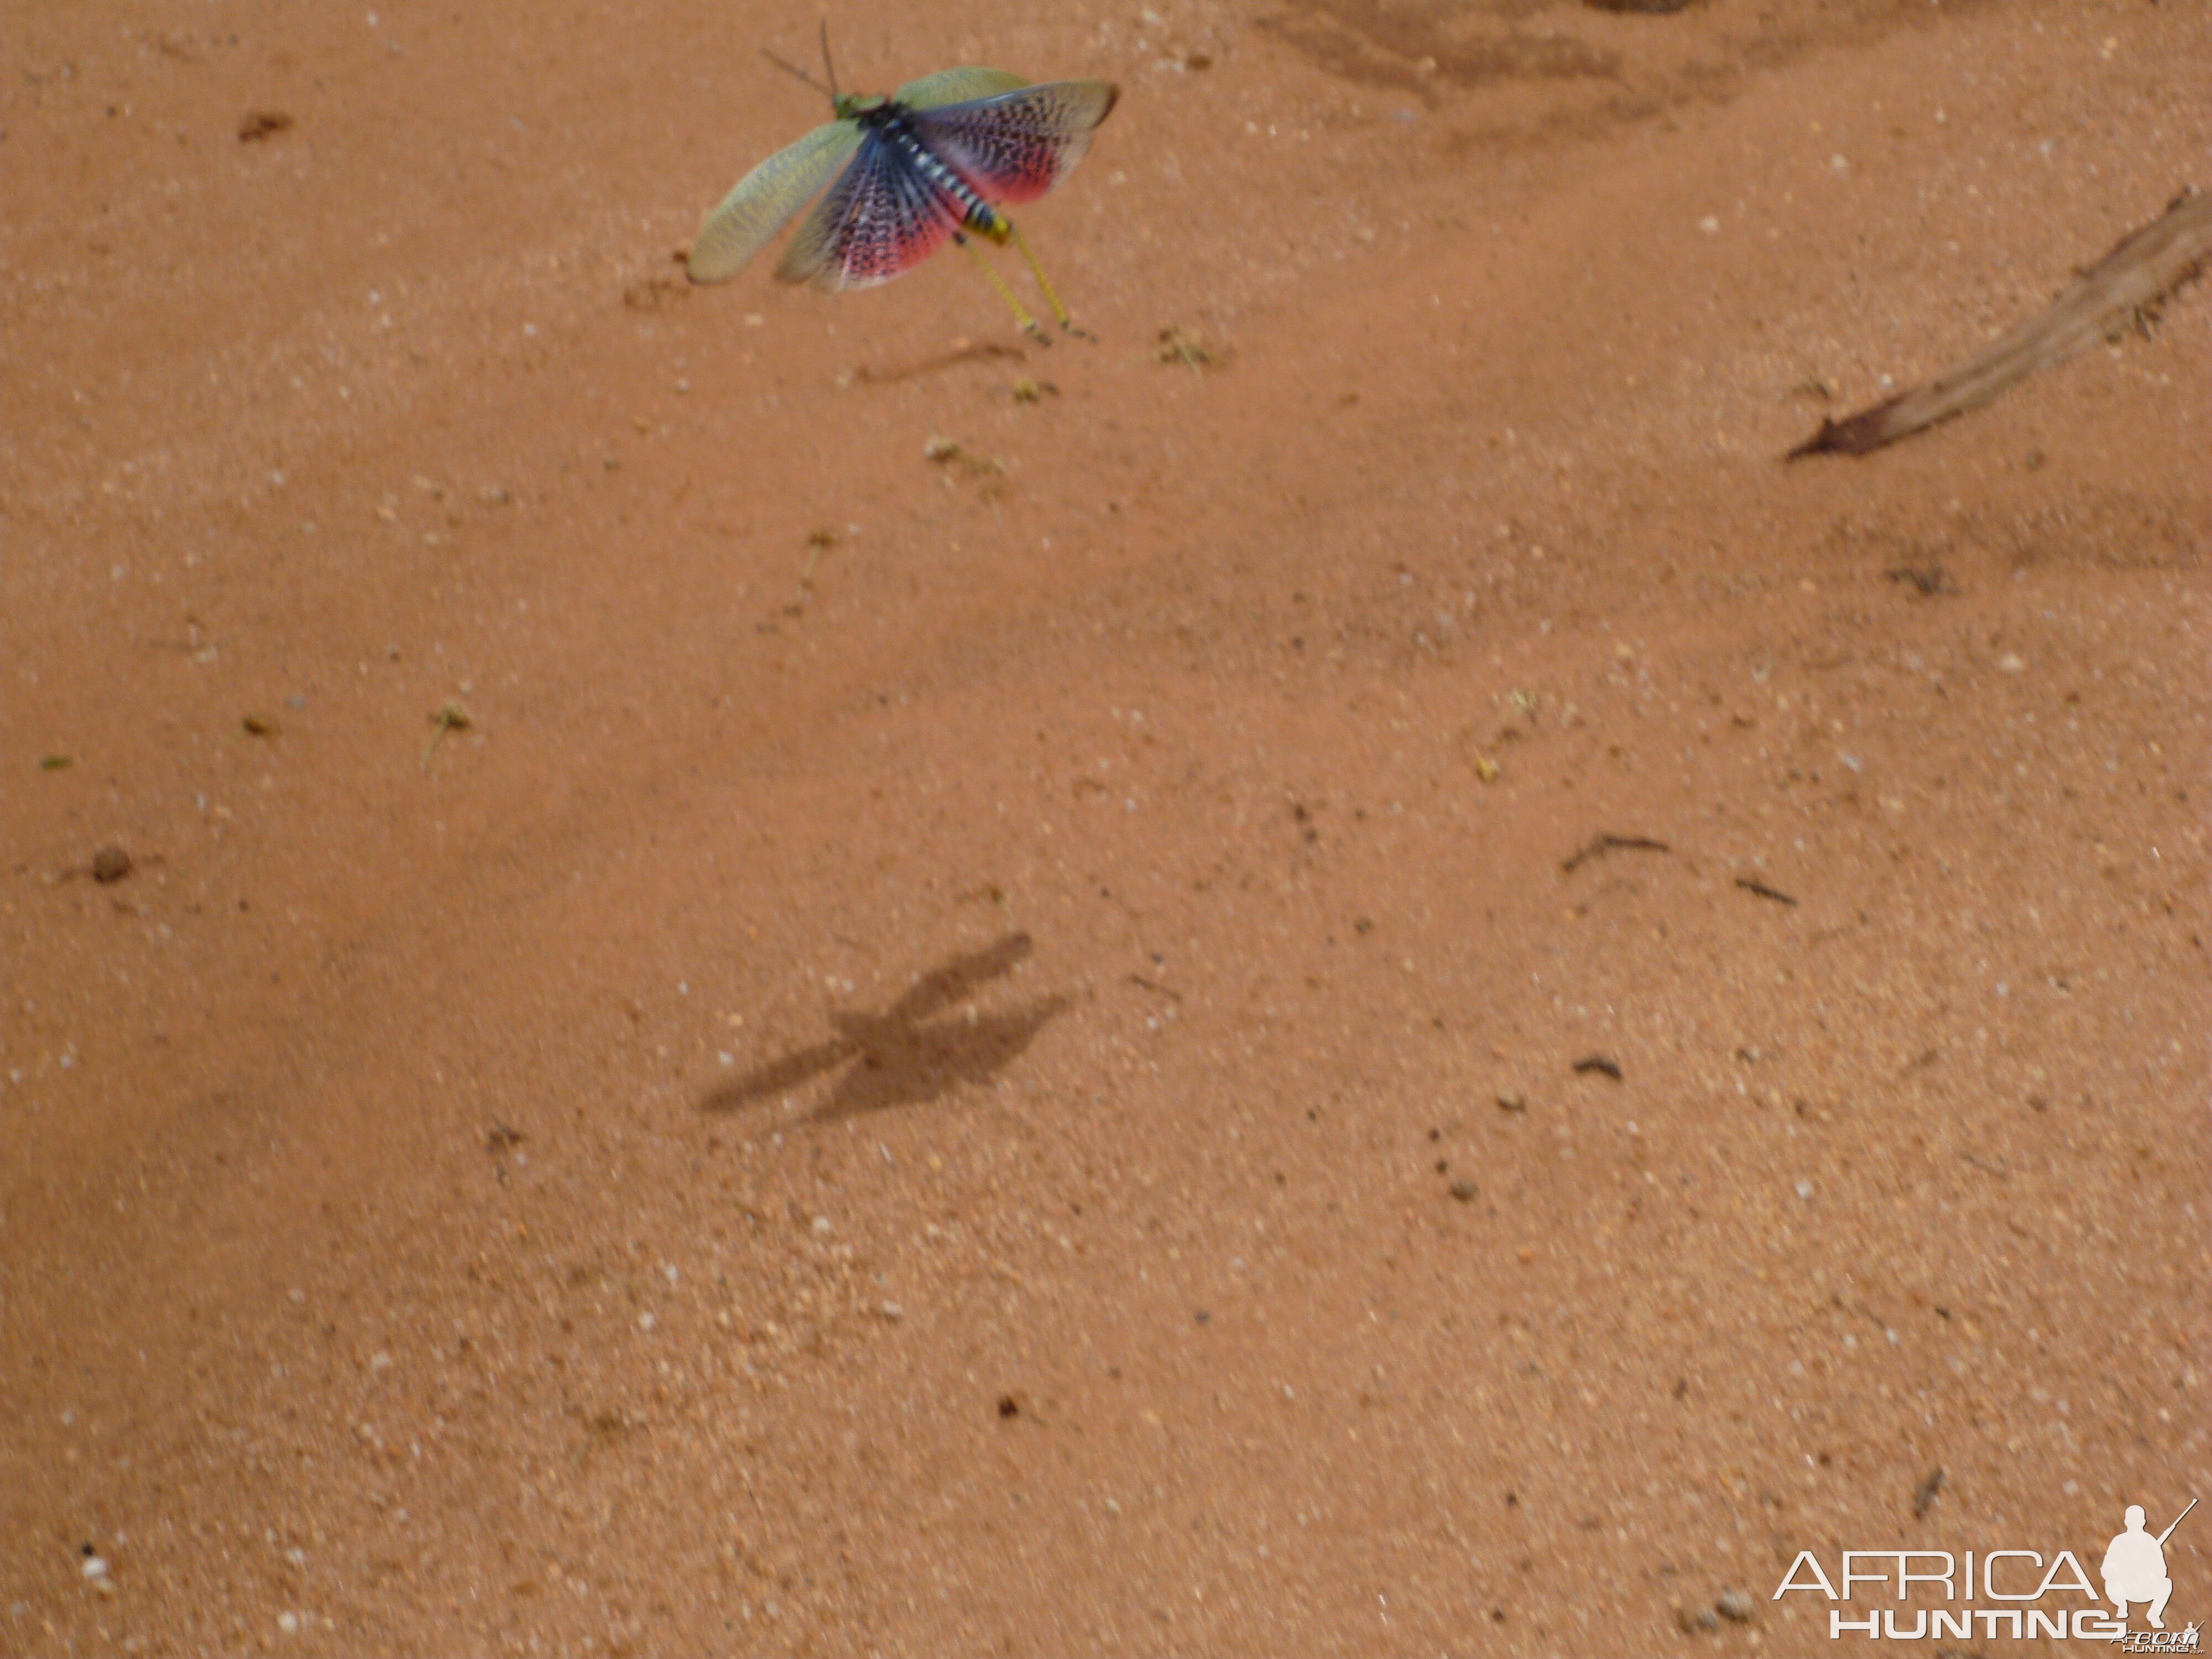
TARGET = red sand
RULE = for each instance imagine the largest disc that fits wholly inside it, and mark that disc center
(387, 1247)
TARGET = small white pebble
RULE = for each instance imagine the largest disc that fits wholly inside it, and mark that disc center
(94, 1567)
(288, 1623)
(822, 1224)
(668, 1271)
(893, 1311)
(645, 1321)
(1805, 1190)
(723, 1056)
(2011, 664)
(1710, 225)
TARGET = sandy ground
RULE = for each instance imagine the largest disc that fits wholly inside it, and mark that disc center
(980, 1054)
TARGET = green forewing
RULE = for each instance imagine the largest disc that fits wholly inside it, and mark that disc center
(956, 86)
(765, 199)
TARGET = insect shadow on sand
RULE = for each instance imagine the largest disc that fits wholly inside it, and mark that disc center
(905, 1056)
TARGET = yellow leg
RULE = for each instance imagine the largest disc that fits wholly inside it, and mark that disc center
(1051, 296)
(1029, 323)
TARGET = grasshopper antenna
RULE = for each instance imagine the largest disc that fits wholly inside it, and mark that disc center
(790, 68)
(828, 68)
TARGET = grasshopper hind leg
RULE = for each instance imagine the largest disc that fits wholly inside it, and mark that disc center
(1029, 325)
(1044, 284)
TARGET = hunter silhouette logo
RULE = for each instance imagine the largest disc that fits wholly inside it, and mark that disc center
(2135, 1571)
(2014, 1595)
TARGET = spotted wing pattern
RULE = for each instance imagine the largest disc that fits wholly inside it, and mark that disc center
(765, 199)
(956, 86)
(1015, 146)
(882, 218)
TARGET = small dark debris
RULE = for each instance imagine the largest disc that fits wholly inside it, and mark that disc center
(1681, 1387)
(110, 865)
(1751, 885)
(1923, 1498)
(1512, 1100)
(1512, 1500)
(256, 125)
(1009, 1407)
(54, 763)
(1498, 1615)
(1928, 582)
(1598, 845)
(1464, 1191)
(1201, 1317)
(1363, 926)
(1737, 1605)
(1604, 1063)
(654, 293)
(1698, 1620)
(1177, 345)
(258, 725)
(500, 1137)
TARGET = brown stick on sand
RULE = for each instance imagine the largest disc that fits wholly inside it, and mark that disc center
(2122, 290)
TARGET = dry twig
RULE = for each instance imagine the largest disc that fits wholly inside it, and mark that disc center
(2124, 291)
